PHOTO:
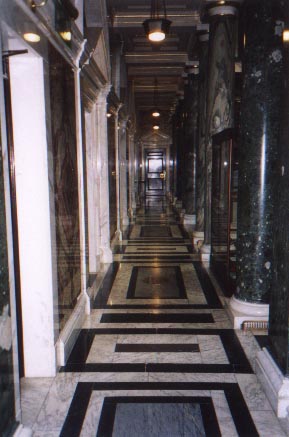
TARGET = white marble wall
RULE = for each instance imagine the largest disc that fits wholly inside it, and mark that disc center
(92, 181)
(132, 174)
(102, 188)
(123, 180)
(32, 190)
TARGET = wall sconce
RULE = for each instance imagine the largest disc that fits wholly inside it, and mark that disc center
(63, 26)
(157, 27)
(64, 15)
(30, 32)
(37, 4)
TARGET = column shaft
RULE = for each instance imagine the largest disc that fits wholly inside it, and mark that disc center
(262, 66)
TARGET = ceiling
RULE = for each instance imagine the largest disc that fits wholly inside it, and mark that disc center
(146, 61)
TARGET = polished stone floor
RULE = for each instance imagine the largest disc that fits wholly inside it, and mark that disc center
(158, 356)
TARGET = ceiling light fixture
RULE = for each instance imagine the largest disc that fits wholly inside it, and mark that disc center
(156, 112)
(285, 35)
(157, 27)
(30, 32)
(156, 127)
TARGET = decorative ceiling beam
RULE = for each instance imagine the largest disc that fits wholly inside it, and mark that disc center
(135, 19)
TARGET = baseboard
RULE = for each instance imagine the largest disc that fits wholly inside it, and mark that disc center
(23, 431)
(71, 330)
(274, 383)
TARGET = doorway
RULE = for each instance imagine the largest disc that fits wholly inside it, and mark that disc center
(155, 172)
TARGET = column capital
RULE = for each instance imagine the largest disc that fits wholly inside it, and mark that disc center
(103, 93)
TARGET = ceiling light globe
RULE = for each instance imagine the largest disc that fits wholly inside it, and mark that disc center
(156, 114)
(156, 127)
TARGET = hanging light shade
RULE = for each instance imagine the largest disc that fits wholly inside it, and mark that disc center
(157, 26)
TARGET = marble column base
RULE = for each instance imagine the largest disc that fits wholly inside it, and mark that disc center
(124, 222)
(240, 311)
(23, 431)
(198, 236)
(205, 252)
(189, 219)
(131, 213)
(71, 330)
(117, 237)
(106, 256)
(274, 383)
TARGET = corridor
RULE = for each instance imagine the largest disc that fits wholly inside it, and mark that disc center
(158, 356)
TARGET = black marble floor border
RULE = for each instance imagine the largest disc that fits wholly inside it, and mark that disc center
(157, 318)
(79, 404)
(105, 288)
(107, 416)
(139, 257)
(156, 347)
(158, 307)
(238, 362)
(208, 288)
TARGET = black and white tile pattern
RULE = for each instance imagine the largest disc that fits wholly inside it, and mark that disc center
(157, 356)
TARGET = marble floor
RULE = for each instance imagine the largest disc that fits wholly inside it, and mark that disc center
(158, 356)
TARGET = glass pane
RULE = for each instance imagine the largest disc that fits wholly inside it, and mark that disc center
(155, 165)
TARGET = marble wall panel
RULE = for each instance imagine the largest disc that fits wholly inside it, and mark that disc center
(7, 412)
(220, 95)
(201, 146)
(112, 176)
(85, 188)
(63, 127)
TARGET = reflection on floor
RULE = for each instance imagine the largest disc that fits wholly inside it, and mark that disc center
(158, 356)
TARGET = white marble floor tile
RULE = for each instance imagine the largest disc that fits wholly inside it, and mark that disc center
(46, 433)
(56, 404)
(212, 350)
(114, 377)
(33, 394)
(192, 377)
(225, 421)
(92, 417)
(249, 344)
(267, 424)
(253, 394)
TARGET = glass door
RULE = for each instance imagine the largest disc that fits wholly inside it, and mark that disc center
(155, 173)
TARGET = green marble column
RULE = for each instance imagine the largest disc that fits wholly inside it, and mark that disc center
(258, 153)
